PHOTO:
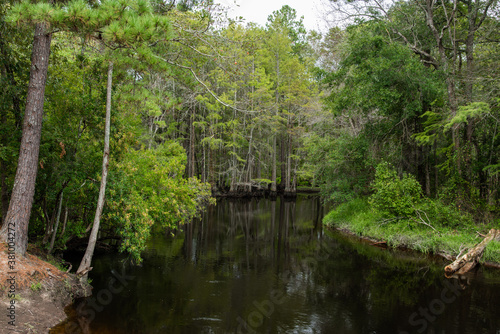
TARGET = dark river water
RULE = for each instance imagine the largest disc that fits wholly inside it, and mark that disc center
(261, 266)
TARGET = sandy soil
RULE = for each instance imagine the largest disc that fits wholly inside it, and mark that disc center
(39, 295)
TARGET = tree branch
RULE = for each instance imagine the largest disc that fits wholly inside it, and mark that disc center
(205, 86)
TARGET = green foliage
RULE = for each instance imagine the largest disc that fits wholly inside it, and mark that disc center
(358, 216)
(56, 262)
(148, 188)
(432, 123)
(378, 91)
(395, 196)
(492, 252)
(339, 164)
(262, 182)
(285, 20)
(344, 214)
(441, 214)
(382, 102)
(420, 109)
(379, 75)
(465, 113)
(36, 286)
(161, 75)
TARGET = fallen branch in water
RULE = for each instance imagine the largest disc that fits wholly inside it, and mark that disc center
(379, 243)
(446, 256)
(468, 261)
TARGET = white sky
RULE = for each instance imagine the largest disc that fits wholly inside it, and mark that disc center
(258, 10)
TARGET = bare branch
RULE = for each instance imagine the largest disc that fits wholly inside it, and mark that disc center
(422, 221)
(205, 86)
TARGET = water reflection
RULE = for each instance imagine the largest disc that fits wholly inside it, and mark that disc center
(261, 266)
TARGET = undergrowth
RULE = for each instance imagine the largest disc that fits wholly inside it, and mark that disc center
(432, 228)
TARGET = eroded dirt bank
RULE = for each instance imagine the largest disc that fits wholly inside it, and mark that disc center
(33, 293)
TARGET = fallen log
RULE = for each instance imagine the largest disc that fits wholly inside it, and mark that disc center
(468, 261)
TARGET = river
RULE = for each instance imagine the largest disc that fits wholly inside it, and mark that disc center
(261, 266)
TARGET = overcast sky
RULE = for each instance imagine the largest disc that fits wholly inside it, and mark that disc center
(258, 10)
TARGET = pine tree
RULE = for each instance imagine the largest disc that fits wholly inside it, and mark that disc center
(119, 24)
(15, 228)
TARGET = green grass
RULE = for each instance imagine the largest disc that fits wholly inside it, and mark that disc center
(492, 252)
(55, 262)
(308, 189)
(36, 286)
(445, 236)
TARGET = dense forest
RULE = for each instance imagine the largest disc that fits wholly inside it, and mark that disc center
(399, 101)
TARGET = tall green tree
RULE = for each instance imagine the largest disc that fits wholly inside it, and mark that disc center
(84, 267)
(446, 37)
(75, 16)
(378, 94)
(14, 74)
(15, 228)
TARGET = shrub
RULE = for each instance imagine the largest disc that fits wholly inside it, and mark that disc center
(445, 215)
(395, 196)
(148, 187)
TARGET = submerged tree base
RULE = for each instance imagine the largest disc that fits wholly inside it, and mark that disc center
(264, 193)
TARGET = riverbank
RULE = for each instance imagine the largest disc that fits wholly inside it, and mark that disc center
(445, 239)
(33, 293)
(261, 192)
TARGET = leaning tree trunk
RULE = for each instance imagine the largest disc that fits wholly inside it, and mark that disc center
(84, 267)
(54, 232)
(468, 261)
(21, 201)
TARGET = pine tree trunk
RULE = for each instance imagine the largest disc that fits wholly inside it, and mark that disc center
(84, 267)
(21, 201)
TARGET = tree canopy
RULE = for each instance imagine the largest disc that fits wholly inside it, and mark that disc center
(404, 91)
